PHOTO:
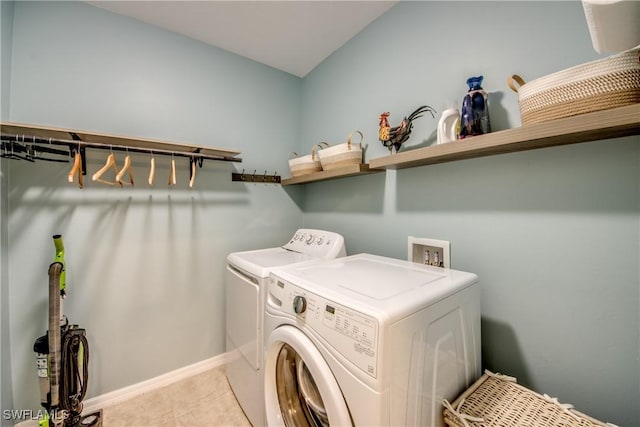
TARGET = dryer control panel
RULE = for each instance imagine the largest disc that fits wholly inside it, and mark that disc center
(317, 243)
(352, 334)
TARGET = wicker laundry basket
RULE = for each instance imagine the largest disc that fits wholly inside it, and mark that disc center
(498, 401)
(598, 85)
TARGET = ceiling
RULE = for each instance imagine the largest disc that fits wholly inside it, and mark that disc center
(292, 36)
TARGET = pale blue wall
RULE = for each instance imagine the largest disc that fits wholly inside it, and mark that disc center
(145, 266)
(553, 234)
(6, 393)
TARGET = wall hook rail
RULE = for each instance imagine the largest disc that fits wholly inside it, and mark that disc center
(264, 178)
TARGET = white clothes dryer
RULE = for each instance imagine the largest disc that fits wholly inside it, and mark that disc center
(367, 340)
(246, 278)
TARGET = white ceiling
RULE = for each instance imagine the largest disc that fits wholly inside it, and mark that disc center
(292, 36)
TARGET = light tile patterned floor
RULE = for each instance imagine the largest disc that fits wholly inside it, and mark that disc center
(202, 400)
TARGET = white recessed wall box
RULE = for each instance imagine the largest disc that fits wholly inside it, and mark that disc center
(429, 252)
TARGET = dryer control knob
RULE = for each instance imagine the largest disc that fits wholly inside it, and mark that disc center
(299, 304)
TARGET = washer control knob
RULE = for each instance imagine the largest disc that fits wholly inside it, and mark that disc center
(310, 239)
(299, 304)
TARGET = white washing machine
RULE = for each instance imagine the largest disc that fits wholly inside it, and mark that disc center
(367, 340)
(246, 279)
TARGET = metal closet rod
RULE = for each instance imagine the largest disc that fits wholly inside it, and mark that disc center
(31, 139)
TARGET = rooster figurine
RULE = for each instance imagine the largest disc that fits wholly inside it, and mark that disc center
(394, 137)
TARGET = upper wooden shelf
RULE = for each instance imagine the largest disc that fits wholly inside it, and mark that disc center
(623, 121)
(342, 172)
(114, 140)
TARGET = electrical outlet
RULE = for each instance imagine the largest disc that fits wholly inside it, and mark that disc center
(429, 252)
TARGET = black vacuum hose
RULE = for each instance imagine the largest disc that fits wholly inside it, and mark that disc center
(74, 371)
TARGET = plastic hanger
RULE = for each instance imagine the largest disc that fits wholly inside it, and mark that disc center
(77, 168)
(111, 163)
(152, 170)
(126, 168)
(172, 172)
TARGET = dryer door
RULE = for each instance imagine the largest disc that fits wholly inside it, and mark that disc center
(300, 389)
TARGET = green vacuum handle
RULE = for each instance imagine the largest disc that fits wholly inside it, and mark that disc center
(57, 242)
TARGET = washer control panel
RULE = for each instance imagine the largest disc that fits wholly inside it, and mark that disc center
(349, 332)
(318, 243)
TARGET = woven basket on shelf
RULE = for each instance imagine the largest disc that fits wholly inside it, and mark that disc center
(310, 163)
(349, 153)
(598, 85)
(498, 401)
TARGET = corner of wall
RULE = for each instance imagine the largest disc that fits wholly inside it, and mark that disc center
(6, 14)
(6, 49)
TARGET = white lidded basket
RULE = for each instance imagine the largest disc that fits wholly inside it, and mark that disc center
(598, 85)
(310, 163)
(349, 153)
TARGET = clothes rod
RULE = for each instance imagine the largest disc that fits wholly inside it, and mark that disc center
(71, 144)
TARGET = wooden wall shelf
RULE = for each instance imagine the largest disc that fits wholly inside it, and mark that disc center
(351, 170)
(623, 121)
(72, 136)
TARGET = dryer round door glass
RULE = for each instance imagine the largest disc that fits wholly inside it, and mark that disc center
(298, 394)
(300, 389)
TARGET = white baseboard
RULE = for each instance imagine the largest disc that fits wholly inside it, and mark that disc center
(118, 396)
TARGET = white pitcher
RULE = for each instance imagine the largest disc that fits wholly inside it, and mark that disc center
(448, 125)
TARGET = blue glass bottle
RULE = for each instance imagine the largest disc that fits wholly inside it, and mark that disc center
(474, 117)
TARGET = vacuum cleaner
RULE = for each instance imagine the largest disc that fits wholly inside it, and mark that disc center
(62, 357)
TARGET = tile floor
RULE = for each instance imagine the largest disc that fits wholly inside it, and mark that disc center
(202, 400)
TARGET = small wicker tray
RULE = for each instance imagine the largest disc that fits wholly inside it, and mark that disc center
(498, 401)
